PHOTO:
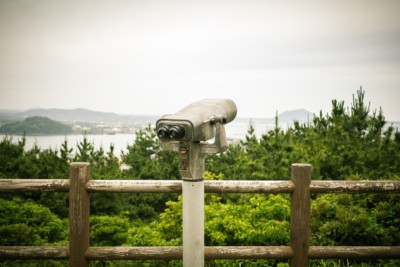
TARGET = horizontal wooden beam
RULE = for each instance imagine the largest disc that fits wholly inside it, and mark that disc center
(34, 185)
(134, 253)
(355, 186)
(247, 186)
(135, 186)
(175, 186)
(211, 252)
(176, 253)
(34, 252)
(357, 252)
(248, 252)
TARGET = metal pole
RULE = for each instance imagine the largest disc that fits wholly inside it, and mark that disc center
(191, 166)
(193, 223)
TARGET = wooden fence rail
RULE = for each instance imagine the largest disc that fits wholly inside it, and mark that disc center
(174, 186)
(79, 253)
(211, 252)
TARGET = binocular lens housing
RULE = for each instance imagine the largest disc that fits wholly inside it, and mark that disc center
(197, 121)
(173, 132)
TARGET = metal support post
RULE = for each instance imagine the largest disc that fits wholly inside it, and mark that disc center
(191, 167)
(193, 223)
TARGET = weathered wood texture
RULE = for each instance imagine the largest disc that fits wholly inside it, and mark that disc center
(135, 186)
(227, 186)
(152, 186)
(211, 253)
(176, 253)
(79, 214)
(144, 186)
(34, 185)
(355, 186)
(358, 252)
(34, 253)
(248, 186)
(250, 252)
(300, 214)
(134, 253)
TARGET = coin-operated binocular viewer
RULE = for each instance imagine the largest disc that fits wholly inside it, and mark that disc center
(189, 132)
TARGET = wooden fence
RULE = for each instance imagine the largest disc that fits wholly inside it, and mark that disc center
(79, 253)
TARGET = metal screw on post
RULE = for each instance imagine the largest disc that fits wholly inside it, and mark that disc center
(186, 132)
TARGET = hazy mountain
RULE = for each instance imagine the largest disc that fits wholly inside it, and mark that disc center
(300, 115)
(76, 115)
(36, 126)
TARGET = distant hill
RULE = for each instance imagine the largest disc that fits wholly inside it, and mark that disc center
(36, 126)
(300, 115)
(77, 115)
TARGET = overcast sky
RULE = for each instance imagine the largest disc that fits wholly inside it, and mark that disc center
(155, 57)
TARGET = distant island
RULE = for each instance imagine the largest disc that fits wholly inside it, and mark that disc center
(83, 121)
(36, 126)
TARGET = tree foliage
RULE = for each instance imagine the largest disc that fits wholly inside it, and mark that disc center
(27, 223)
(348, 142)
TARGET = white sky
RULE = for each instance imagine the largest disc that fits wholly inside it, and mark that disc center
(155, 57)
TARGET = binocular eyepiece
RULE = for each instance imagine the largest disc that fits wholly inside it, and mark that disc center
(171, 131)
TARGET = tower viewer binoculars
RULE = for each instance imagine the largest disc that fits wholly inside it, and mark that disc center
(196, 122)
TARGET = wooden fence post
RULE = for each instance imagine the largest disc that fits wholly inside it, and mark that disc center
(300, 214)
(78, 214)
